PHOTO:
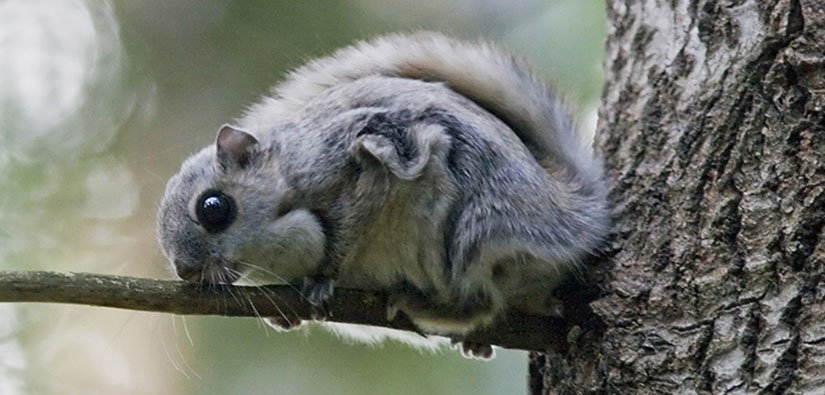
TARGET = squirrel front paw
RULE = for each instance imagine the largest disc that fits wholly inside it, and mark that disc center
(318, 292)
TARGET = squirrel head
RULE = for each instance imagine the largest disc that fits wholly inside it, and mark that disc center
(229, 213)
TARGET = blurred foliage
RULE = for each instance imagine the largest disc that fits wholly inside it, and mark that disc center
(101, 101)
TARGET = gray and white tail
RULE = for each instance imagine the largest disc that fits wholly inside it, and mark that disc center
(491, 77)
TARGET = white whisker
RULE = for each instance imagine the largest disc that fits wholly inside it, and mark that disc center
(169, 356)
(186, 331)
(229, 287)
(279, 278)
(265, 292)
(185, 362)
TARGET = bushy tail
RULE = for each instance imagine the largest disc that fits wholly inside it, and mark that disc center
(491, 77)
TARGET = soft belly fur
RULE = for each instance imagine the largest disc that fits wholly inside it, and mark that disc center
(400, 244)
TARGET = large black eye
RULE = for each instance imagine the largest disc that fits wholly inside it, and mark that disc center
(215, 211)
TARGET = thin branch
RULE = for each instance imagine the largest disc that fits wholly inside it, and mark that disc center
(515, 330)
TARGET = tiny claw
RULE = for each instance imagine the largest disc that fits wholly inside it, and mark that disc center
(393, 307)
(320, 313)
(392, 311)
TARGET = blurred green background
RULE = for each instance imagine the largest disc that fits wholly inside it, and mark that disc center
(100, 102)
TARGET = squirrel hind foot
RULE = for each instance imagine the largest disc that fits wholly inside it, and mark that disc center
(474, 350)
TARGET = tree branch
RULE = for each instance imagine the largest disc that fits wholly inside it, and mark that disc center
(515, 330)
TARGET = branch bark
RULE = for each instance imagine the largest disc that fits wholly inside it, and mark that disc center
(515, 330)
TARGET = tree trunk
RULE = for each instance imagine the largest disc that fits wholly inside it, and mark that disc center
(713, 134)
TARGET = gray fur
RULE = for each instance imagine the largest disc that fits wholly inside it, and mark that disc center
(438, 171)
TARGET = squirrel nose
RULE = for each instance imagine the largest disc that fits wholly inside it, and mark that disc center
(187, 273)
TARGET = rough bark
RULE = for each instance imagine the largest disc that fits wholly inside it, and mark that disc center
(713, 134)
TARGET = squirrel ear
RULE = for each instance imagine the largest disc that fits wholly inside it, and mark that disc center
(405, 159)
(235, 147)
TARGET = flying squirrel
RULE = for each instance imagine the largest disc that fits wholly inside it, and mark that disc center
(440, 172)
